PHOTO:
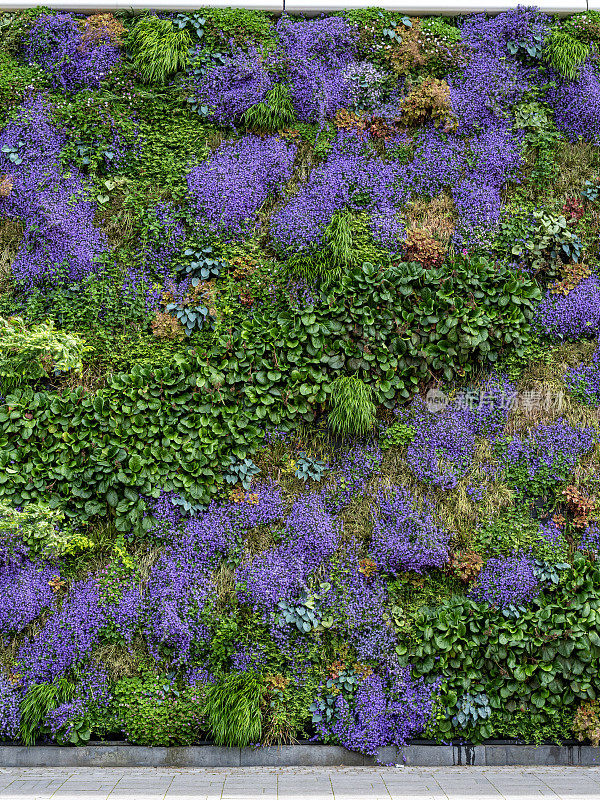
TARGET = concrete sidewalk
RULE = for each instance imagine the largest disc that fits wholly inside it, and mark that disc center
(298, 783)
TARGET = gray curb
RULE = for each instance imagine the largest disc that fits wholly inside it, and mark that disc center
(302, 755)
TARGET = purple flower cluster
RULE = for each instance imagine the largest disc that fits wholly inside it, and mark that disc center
(507, 581)
(357, 603)
(352, 471)
(60, 241)
(140, 291)
(583, 381)
(164, 238)
(551, 451)
(310, 537)
(317, 53)
(576, 105)
(590, 540)
(231, 88)
(55, 42)
(493, 80)
(354, 176)
(25, 591)
(572, 316)
(10, 708)
(180, 582)
(70, 634)
(406, 537)
(166, 515)
(385, 710)
(442, 451)
(228, 190)
(92, 690)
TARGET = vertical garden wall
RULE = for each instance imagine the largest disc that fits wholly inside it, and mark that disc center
(299, 380)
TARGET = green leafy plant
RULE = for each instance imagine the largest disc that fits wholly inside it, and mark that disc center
(398, 434)
(591, 190)
(352, 409)
(542, 662)
(472, 709)
(273, 113)
(307, 467)
(34, 353)
(159, 49)
(306, 611)
(40, 699)
(539, 133)
(530, 49)
(565, 53)
(41, 529)
(515, 529)
(233, 709)
(541, 239)
(242, 470)
(204, 264)
(151, 710)
(193, 318)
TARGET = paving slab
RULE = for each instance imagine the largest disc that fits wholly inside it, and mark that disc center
(302, 783)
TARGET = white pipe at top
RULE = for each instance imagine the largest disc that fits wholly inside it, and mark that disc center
(310, 8)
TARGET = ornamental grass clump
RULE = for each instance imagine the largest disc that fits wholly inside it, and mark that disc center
(352, 409)
(232, 709)
(159, 49)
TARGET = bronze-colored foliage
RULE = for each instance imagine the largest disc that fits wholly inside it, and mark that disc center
(424, 249)
(99, 28)
(466, 565)
(586, 724)
(579, 505)
(429, 100)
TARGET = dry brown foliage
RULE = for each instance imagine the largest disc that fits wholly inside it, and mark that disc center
(435, 217)
(6, 185)
(164, 326)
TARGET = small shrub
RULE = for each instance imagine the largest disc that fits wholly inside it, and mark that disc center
(466, 565)
(166, 326)
(399, 434)
(28, 355)
(307, 467)
(421, 247)
(152, 711)
(99, 28)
